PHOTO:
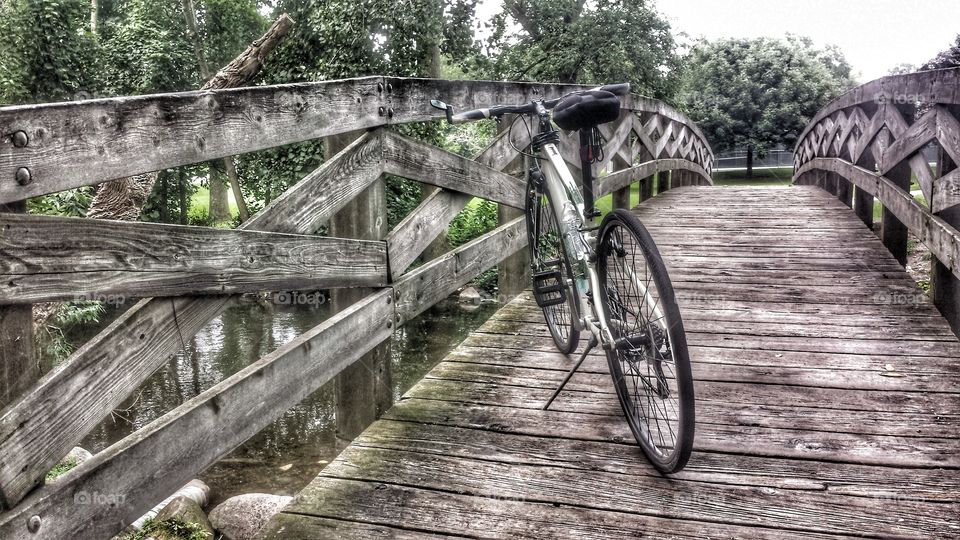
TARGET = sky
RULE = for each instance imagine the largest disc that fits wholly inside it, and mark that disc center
(873, 35)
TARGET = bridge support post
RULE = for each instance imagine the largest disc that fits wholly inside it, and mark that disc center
(364, 390)
(18, 362)
(893, 232)
(844, 191)
(663, 181)
(863, 206)
(646, 188)
(513, 273)
(621, 197)
(944, 286)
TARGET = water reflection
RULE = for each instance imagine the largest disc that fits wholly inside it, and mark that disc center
(288, 453)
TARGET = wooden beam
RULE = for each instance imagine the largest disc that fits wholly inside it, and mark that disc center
(150, 464)
(429, 164)
(47, 258)
(428, 220)
(312, 201)
(87, 142)
(67, 403)
(18, 361)
(430, 283)
(620, 179)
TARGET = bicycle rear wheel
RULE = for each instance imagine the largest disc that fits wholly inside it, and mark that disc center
(649, 361)
(551, 269)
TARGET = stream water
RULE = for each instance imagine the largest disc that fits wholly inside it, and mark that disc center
(288, 453)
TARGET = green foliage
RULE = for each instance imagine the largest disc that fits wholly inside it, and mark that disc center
(47, 52)
(477, 219)
(948, 58)
(402, 197)
(573, 41)
(73, 203)
(61, 469)
(167, 528)
(53, 339)
(759, 93)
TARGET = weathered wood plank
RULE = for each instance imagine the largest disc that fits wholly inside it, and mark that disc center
(87, 142)
(157, 459)
(486, 516)
(312, 201)
(429, 164)
(69, 401)
(46, 258)
(428, 220)
(620, 179)
(425, 286)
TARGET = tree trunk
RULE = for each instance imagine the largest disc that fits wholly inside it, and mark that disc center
(219, 210)
(749, 162)
(94, 15)
(182, 192)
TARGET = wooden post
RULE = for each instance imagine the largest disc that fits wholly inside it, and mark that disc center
(365, 389)
(663, 181)
(646, 188)
(944, 286)
(513, 273)
(894, 233)
(621, 197)
(863, 206)
(18, 362)
(844, 191)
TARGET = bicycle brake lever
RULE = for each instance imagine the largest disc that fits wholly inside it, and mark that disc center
(437, 104)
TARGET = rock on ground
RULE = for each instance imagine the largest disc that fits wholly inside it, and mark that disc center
(187, 510)
(242, 517)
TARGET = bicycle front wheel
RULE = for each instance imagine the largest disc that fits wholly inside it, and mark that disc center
(550, 266)
(648, 360)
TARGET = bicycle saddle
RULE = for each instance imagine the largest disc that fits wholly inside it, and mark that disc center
(588, 109)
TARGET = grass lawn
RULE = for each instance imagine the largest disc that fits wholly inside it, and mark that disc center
(761, 177)
(201, 199)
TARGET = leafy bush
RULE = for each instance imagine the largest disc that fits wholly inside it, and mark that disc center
(73, 203)
(477, 219)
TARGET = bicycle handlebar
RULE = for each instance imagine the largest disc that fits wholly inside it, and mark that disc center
(620, 89)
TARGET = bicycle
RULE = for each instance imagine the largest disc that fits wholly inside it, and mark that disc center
(588, 276)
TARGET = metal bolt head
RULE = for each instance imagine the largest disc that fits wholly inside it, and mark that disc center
(382, 110)
(20, 139)
(379, 87)
(33, 524)
(389, 87)
(390, 112)
(23, 176)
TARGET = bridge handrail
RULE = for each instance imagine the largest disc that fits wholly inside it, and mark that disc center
(193, 273)
(872, 142)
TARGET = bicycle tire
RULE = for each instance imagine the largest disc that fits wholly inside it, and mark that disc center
(649, 362)
(545, 244)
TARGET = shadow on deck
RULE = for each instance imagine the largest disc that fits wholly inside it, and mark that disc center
(827, 403)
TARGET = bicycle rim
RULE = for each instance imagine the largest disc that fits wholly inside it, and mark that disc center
(650, 364)
(546, 252)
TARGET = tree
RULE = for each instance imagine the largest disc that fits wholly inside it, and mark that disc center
(948, 58)
(574, 41)
(47, 52)
(759, 93)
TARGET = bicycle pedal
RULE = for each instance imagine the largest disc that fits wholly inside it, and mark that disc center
(549, 288)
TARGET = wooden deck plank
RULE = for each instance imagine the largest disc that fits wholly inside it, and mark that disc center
(828, 403)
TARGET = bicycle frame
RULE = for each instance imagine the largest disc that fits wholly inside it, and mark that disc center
(581, 244)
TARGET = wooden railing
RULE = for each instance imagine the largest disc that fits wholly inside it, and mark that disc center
(188, 275)
(871, 142)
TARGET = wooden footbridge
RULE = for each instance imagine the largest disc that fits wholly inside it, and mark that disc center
(827, 381)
